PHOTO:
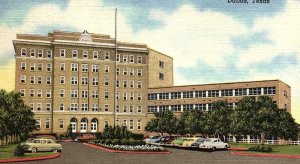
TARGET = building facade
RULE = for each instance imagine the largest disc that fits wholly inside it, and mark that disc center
(82, 80)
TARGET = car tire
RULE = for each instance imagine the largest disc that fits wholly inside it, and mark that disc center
(54, 150)
(213, 149)
(226, 147)
(34, 150)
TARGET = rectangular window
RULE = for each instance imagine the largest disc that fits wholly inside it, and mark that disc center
(95, 81)
(106, 81)
(118, 71)
(95, 68)
(49, 53)
(74, 93)
(62, 66)
(227, 92)
(84, 94)
(40, 53)
(85, 54)
(62, 80)
(39, 107)
(49, 67)
(139, 59)
(188, 94)
(23, 79)
(95, 54)
(31, 92)
(130, 108)
(40, 66)
(74, 80)
(94, 94)
(124, 71)
(131, 71)
(118, 57)
(269, 90)
(213, 93)
(201, 107)
(32, 79)
(125, 108)
(39, 79)
(125, 83)
(117, 109)
(163, 108)
(23, 51)
(106, 94)
(124, 122)
(106, 124)
(125, 58)
(117, 83)
(23, 65)
(254, 91)
(84, 67)
(94, 107)
(140, 71)
(61, 107)
(31, 105)
(39, 93)
(106, 108)
(74, 53)
(84, 107)
(175, 108)
(61, 124)
(187, 107)
(74, 107)
(139, 84)
(164, 96)
(131, 60)
(139, 96)
(200, 94)
(32, 52)
(152, 96)
(131, 97)
(62, 93)
(84, 80)
(130, 124)
(48, 80)
(139, 124)
(48, 93)
(32, 66)
(48, 107)
(107, 56)
(74, 67)
(241, 92)
(161, 76)
(38, 123)
(161, 64)
(210, 107)
(152, 109)
(106, 69)
(117, 95)
(132, 84)
(139, 109)
(124, 96)
(62, 53)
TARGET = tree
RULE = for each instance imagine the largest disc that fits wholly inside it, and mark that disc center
(164, 122)
(190, 122)
(218, 120)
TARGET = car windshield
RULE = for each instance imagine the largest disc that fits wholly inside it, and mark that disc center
(155, 137)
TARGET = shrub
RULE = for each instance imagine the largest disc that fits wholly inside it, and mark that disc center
(137, 136)
(124, 141)
(19, 151)
(107, 141)
(260, 148)
(115, 141)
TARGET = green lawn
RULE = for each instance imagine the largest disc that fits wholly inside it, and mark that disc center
(7, 151)
(277, 149)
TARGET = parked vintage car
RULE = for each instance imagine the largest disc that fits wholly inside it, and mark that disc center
(85, 137)
(187, 142)
(198, 142)
(213, 144)
(178, 141)
(46, 137)
(153, 139)
(41, 144)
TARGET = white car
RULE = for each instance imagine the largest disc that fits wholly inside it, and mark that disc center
(213, 144)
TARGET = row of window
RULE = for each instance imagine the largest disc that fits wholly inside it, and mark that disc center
(38, 93)
(34, 80)
(85, 55)
(213, 93)
(180, 108)
(84, 124)
(39, 66)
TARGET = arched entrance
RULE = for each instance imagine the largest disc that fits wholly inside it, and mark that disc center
(83, 125)
(94, 125)
(73, 123)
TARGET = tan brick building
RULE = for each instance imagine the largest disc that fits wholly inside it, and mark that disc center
(72, 78)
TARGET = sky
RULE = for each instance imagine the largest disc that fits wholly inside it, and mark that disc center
(211, 41)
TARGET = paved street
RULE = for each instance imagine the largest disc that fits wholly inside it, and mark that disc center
(77, 153)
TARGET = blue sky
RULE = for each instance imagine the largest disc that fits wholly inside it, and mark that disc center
(211, 41)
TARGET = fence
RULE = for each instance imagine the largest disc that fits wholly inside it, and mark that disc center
(269, 142)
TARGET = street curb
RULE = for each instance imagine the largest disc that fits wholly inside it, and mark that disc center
(265, 155)
(125, 152)
(30, 159)
(238, 149)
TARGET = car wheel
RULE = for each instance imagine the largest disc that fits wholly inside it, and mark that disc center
(213, 148)
(225, 147)
(54, 150)
(34, 150)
